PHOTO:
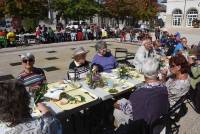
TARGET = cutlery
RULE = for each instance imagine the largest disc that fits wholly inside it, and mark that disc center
(89, 95)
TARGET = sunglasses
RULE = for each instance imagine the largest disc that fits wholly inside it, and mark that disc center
(27, 60)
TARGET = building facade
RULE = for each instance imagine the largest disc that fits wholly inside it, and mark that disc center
(181, 13)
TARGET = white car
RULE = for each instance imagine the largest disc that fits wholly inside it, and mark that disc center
(74, 24)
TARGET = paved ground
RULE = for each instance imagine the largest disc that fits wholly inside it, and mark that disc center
(59, 59)
(61, 55)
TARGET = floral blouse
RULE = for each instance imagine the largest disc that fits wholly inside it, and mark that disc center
(43, 125)
(176, 89)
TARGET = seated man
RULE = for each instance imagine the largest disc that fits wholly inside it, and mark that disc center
(31, 76)
(148, 102)
(79, 67)
(104, 59)
(144, 52)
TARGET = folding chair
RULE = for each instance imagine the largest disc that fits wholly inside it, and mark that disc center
(122, 55)
(169, 120)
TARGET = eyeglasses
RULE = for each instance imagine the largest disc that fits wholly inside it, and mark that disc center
(27, 60)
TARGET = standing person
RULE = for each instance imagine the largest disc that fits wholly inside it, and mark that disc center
(15, 113)
(73, 34)
(31, 76)
(122, 35)
(51, 35)
(157, 33)
(79, 34)
(104, 60)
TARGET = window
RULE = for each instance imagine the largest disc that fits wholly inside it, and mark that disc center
(177, 17)
(191, 15)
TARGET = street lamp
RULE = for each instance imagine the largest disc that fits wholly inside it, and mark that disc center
(49, 11)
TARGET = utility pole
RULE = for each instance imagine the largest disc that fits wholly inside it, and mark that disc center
(184, 14)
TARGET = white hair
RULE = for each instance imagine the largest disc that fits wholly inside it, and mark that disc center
(150, 68)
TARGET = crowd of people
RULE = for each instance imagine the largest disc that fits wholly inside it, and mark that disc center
(170, 67)
(44, 34)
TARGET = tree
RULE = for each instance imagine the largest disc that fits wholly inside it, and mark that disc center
(76, 9)
(140, 9)
(25, 8)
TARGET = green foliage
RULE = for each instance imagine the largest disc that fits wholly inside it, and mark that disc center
(25, 8)
(39, 94)
(29, 23)
(76, 9)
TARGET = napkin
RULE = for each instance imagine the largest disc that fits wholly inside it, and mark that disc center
(54, 93)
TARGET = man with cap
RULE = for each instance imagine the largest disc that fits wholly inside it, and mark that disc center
(31, 76)
(79, 67)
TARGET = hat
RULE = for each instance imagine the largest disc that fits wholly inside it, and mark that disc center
(27, 56)
(78, 51)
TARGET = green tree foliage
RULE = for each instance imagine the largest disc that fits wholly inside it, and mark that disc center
(76, 9)
(140, 9)
(25, 8)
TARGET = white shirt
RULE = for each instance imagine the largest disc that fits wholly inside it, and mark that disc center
(141, 55)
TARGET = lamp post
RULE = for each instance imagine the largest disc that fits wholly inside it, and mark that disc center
(49, 11)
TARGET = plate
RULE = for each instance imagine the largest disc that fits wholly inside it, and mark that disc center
(76, 93)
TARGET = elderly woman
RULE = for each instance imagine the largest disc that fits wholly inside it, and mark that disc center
(31, 76)
(15, 113)
(178, 84)
(79, 67)
(144, 52)
(104, 59)
(148, 102)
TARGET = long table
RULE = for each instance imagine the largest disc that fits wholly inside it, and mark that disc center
(100, 94)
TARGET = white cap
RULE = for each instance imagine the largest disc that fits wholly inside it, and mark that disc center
(27, 56)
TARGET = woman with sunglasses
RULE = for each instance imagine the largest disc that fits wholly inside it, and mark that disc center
(178, 83)
(31, 76)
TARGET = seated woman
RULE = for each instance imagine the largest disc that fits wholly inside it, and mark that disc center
(178, 84)
(148, 102)
(104, 59)
(31, 76)
(79, 67)
(15, 113)
(195, 66)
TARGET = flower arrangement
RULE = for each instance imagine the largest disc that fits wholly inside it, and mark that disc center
(123, 72)
(94, 78)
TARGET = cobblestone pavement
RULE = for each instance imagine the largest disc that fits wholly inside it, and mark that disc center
(60, 55)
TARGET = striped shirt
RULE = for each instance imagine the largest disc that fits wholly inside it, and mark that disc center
(35, 78)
